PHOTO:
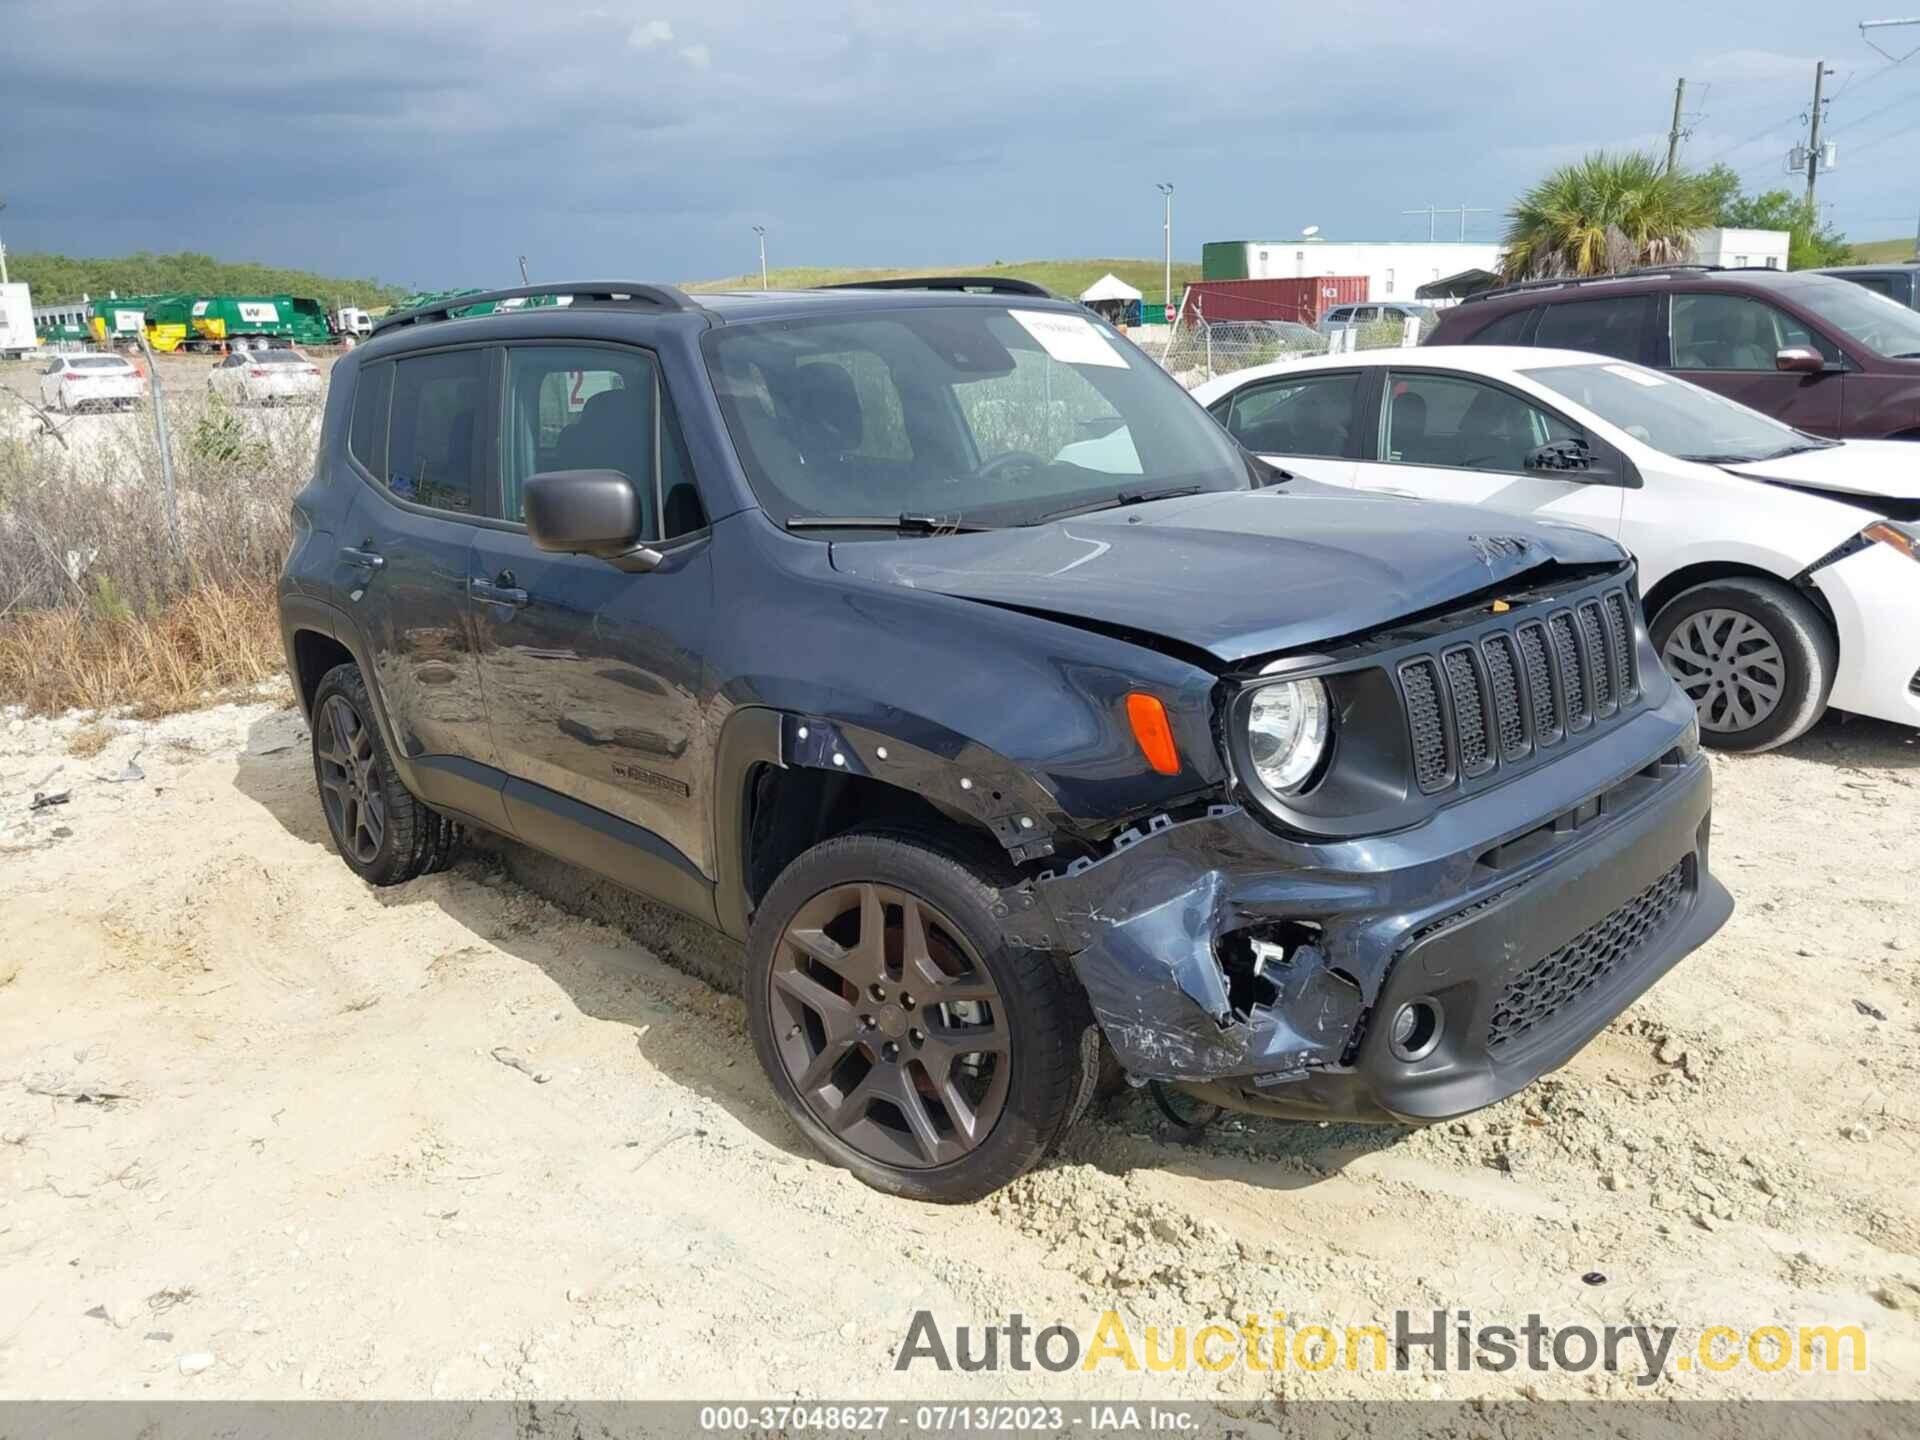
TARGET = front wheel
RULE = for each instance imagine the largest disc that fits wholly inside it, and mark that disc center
(1753, 655)
(908, 1040)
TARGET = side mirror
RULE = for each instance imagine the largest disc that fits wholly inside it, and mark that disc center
(1561, 455)
(588, 512)
(1800, 360)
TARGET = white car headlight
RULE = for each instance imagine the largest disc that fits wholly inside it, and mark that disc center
(1287, 727)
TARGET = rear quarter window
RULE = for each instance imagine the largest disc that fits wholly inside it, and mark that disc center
(1508, 329)
(367, 434)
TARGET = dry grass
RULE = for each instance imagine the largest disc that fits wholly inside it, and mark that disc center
(89, 740)
(100, 606)
(210, 642)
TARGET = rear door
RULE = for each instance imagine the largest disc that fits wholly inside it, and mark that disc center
(1728, 343)
(1309, 422)
(418, 438)
(1462, 439)
(594, 676)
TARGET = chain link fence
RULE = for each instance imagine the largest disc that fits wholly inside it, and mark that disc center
(1197, 349)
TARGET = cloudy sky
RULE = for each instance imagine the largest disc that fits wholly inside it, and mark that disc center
(429, 144)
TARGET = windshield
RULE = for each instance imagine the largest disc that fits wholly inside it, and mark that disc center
(99, 362)
(971, 413)
(277, 357)
(1883, 325)
(1674, 416)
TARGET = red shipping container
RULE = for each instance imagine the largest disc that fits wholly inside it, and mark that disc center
(1303, 300)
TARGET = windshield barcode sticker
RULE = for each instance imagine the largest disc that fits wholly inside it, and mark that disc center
(1069, 338)
(1638, 377)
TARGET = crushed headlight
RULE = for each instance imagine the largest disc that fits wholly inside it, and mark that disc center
(1287, 726)
(1901, 535)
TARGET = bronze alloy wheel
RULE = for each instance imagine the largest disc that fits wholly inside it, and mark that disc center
(889, 1026)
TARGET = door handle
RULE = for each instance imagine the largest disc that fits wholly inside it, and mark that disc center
(366, 559)
(494, 594)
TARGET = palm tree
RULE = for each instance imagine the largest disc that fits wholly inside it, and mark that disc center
(1604, 214)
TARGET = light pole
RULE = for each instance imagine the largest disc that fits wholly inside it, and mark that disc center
(3, 253)
(1166, 227)
(761, 231)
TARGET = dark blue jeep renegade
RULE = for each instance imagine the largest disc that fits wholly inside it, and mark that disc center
(931, 641)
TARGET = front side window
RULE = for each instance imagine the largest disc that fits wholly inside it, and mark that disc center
(1457, 423)
(986, 414)
(433, 436)
(1617, 326)
(1296, 414)
(588, 407)
(1731, 332)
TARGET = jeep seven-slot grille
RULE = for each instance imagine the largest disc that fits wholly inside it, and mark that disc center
(1515, 691)
(1422, 685)
(1539, 992)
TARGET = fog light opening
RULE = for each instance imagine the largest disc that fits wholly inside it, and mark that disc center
(1415, 1030)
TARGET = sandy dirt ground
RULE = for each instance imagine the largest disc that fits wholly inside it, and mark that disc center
(269, 1132)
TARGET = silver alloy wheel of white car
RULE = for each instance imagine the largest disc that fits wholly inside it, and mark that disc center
(1730, 667)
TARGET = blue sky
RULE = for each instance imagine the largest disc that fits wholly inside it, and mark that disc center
(429, 144)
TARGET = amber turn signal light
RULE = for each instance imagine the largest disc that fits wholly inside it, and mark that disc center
(1152, 733)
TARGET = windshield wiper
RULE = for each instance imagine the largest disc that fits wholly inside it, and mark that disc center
(1124, 498)
(903, 524)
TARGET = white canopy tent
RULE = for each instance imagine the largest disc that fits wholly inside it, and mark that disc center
(1110, 287)
(1114, 298)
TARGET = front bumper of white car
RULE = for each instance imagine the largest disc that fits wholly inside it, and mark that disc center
(1875, 597)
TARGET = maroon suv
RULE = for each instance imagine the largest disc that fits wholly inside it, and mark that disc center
(1819, 353)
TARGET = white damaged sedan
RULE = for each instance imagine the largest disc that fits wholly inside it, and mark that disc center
(1780, 570)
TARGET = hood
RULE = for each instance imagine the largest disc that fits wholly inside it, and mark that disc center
(1889, 469)
(1239, 573)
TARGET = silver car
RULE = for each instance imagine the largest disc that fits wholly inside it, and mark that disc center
(81, 382)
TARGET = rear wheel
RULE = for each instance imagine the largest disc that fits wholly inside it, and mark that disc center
(1753, 655)
(909, 1041)
(385, 835)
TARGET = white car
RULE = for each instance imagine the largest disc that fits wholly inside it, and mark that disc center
(266, 377)
(72, 383)
(1778, 569)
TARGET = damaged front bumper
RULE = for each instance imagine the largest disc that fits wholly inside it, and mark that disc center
(1274, 975)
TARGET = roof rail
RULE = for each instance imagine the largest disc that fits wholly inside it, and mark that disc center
(660, 297)
(969, 284)
(1638, 272)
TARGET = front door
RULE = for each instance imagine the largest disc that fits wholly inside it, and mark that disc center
(594, 677)
(1464, 440)
(404, 558)
(1728, 344)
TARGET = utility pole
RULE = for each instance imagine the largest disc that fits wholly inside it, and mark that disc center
(1820, 73)
(761, 231)
(1673, 135)
(3, 253)
(1166, 228)
(523, 271)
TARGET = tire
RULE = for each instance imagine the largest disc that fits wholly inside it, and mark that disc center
(1725, 640)
(838, 1017)
(384, 834)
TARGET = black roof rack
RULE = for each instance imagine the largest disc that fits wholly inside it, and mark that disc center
(969, 284)
(631, 292)
(1639, 272)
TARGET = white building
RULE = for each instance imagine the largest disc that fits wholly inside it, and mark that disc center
(1737, 248)
(1394, 269)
